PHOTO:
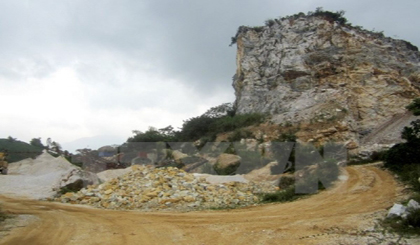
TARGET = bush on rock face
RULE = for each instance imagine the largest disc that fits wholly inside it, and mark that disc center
(409, 152)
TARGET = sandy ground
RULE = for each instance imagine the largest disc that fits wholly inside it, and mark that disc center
(342, 215)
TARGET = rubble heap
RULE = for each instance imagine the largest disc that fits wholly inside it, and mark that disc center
(148, 188)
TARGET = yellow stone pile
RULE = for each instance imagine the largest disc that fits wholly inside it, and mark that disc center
(149, 188)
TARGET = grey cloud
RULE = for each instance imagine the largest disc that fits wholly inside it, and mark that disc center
(184, 40)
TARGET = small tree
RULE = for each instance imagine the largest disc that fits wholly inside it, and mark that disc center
(409, 152)
(37, 143)
(414, 107)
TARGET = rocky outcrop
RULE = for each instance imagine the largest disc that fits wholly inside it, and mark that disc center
(227, 163)
(310, 70)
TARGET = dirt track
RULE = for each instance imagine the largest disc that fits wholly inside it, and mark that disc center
(342, 211)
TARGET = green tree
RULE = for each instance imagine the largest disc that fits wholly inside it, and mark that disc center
(414, 107)
(37, 143)
(153, 135)
(406, 153)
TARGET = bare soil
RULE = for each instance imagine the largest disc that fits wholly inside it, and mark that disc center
(344, 214)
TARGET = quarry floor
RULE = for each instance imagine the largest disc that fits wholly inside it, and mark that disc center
(346, 214)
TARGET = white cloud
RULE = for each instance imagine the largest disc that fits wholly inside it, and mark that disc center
(78, 69)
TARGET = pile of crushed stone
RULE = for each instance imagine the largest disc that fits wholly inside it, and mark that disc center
(150, 189)
(42, 177)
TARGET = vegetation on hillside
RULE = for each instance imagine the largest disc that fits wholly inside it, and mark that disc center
(18, 150)
(332, 17)
(216, 120)
(404, 160)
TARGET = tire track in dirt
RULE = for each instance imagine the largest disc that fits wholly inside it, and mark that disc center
(345, 209)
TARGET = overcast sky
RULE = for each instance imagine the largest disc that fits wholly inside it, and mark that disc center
(87, 73)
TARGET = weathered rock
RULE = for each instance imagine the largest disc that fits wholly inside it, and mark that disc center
(227, 163)
(112, 173)
(413, 205)
(147, 188)
(264, 173)
(76, 179)
(178, 156)
(397, 210)
(316, 72)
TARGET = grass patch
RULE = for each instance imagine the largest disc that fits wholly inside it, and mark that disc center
(403, 226)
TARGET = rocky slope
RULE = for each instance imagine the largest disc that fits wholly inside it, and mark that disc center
(335, 81)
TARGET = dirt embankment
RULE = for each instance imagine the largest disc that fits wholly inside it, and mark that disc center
(344, 214)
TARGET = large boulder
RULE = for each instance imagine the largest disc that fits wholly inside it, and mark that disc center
(263, 174)
(76, 179)
(398, 210)
(178, 156)
(227, 164)
(113, 173)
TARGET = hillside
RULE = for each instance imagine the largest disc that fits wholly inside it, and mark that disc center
(330, 80)
(19, 150)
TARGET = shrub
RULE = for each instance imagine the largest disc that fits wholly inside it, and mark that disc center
(413, 218)
(269, 22)
(331, 16)
(230, 123)
(239, 134)
(204, 126)
(402, 154)
(414, 107)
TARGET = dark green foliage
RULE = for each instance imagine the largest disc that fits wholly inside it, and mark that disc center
(413, 218)
(196, 127)
(19, 150)
(412, 134)
(233, 40)
(258, 28)
(153, 135)
(228, 123)
(203, 126)
(37, 143)
(409, 152)
(331, 16)
(414, 107)
(410, 174)
(269, 22)
(402, 154)
(239, 134)
(405, 153)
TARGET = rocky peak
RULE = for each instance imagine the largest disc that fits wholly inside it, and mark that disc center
(312, 69)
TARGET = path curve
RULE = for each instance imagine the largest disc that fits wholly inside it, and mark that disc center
(344, 210)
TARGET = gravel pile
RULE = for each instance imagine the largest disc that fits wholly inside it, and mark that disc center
(149, 188)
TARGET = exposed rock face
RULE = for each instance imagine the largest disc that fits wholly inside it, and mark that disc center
(227, 163)
(309, 70)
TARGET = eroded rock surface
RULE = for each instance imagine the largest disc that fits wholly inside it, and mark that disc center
(312, 71)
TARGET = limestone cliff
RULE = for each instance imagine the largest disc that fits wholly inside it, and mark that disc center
(310, 70)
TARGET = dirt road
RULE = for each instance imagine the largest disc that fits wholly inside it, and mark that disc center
(347, 210)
